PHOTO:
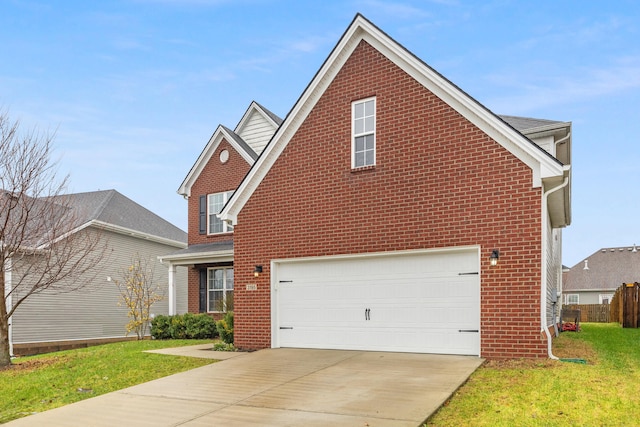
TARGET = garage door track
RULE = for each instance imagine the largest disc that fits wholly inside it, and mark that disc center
(281, 387)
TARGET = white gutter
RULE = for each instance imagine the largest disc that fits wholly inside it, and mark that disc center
(120, 230)
(543, 295)
(563, 139)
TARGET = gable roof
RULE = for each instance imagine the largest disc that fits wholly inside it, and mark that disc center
(257, 126)
(254, 106)
(222, 132)
(606, 270)
(543, 165)
(108, 209)
(247, 152)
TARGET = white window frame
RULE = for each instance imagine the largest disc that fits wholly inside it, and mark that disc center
(363, 131)
(227, 286)
(226, 227)
(608, 297)
(567, 302)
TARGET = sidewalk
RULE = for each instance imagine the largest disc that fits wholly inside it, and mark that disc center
(203, 351)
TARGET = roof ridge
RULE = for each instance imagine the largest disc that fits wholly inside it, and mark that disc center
(270, 113)
(105, 202)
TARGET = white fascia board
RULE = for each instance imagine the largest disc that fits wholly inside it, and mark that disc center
(247, 115)
(120, 230)
(198, 258)
(137, 234)
(541, 164)
(205, 156)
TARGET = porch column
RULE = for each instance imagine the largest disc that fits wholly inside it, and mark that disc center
(172, 289)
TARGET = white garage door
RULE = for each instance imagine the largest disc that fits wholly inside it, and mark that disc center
(421, 302)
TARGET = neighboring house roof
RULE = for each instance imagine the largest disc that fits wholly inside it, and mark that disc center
(548, 171)
(604, 270)
(111, 210)
(232, 137)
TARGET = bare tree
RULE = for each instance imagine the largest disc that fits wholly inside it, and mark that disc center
(42, 248)
(138, 292)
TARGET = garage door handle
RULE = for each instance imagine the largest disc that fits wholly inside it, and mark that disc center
(286, 327)
(468, 330)
(367, 314)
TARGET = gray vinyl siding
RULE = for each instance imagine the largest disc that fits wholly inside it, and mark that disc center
(553, 255)
(93, 312)
(257, 132)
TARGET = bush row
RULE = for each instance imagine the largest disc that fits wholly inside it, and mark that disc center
(183, 326)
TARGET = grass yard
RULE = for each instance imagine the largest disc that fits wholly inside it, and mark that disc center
(39, 383)
(604, 392)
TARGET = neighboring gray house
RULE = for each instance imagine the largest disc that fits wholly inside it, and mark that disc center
(50, 321)
(595, 279)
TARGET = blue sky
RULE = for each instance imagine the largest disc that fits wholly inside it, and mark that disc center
(135, 88)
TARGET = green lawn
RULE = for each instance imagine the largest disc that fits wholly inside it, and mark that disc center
(603, 392)
(43, 382)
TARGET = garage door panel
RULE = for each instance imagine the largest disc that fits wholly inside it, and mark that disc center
(410, 302)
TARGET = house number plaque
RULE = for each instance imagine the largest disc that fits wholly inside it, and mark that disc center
(252, 287)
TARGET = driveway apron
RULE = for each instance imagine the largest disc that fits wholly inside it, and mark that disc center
(281, 387)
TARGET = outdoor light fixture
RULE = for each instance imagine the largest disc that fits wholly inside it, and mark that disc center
(257, 270)
(495, 254)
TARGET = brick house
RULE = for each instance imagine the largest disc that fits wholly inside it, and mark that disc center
(374, 216)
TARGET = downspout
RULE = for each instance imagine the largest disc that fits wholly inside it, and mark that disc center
(8, 294)
(543, 295)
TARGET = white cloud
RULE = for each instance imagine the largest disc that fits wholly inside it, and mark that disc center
(582, 84)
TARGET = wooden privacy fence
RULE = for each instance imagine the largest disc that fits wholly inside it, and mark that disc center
(598, 313)
(625, 307)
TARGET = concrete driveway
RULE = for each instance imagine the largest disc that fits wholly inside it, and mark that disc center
(280, 387)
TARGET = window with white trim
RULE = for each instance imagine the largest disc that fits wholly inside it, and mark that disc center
(363, 150)
(220, 289)
(572, 299)
(215, 203)
(605, 298)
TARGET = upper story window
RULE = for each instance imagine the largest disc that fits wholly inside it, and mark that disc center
(363, 150)
(215, 203)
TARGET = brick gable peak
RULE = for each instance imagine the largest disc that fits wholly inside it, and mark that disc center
(220, 134)
(544, 168)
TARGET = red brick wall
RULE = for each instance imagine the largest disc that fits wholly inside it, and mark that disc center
(438, 182)
(216, 177)
(193, 290)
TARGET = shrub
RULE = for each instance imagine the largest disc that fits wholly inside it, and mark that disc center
(183, 326)
(177, 329)
(200, 326)
(220, 346)
(225, 328)
(160, 327)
